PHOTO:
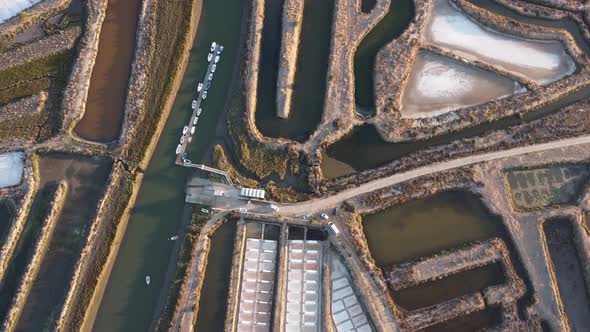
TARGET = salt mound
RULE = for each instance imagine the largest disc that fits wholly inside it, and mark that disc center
(10, 8)
(11, 168)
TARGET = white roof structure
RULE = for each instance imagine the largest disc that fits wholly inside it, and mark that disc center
(252, 193)
(347, 313)
(303, 286)
(258, 276)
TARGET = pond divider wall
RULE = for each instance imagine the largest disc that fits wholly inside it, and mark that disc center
(30, 274)
(291, 31)
(32, 177)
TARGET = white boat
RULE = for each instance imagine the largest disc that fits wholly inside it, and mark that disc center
(205, 94)
(184, 130)
(190, 139)
(217, 57)
(207, 86)
(182, 140)
(220, 49)
(147, 280)
(204, 210)
(195, 120)
(199, 111)
(210, 76)
(209, 57)
(199, 87)
(213, 68)
(178, 148)
(174, 238)
(213, 45)
(194, 104)
(193, 130)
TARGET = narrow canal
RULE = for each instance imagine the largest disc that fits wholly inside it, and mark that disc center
(401, 13)
(310, 77)
(108, 84)
(128, 303)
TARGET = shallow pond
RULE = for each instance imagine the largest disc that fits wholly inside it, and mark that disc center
(542, 61)
(427, 226)
(438, 84)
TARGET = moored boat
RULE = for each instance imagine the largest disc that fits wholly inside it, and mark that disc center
(178, 148)
(194, 104)
(199, 111)
(193, 130)
(213, 45)
(220, 49)
(205, 94)
(213, 68)
(217, 57)
(184, 130)
(209, 57)
(199, 87)
(147, 280)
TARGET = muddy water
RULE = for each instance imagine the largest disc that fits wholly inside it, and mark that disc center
(438, 84)
(401, 13)
(569, 273)
(128, 304)
(49, 289)
(427, 226)
(212, 304)
(435, 292)
(310, 77)
(476, 321)
(108, 83)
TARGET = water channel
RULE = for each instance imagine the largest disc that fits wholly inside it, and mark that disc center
(108, 84)
(213, 300)
(310, 77)
(128, 303)
(393, 24)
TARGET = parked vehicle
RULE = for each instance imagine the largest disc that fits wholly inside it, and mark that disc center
(333, 229)
(325, 216)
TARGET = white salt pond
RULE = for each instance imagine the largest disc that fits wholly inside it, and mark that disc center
(542, 61)
(11, 168)
(438, 84)
(10, 8)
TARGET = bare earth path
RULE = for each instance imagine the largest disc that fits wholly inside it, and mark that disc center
(315, 205)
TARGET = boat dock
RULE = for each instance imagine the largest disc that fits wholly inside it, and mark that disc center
(186, 135)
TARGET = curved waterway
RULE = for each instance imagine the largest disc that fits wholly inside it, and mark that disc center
(108, 84)
(128, 303)
(364, 149)
(395, 22)
(310, 78)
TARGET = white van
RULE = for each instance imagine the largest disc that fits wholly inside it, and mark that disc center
(333, 229)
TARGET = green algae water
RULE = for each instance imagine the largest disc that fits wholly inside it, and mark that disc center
(393, 24)
(128, 303)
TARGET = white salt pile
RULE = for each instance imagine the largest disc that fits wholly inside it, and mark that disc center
(11, 168)
(10, 8)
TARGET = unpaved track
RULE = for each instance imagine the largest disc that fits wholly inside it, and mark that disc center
(312, 206)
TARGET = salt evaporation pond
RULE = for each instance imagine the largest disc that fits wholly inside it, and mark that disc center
(11, 168)
(538, 60)
(438, 84)
(9, 8)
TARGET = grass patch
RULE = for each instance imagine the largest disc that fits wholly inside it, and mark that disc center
(220, 161)
(172, 32)
(171, 309)
(50, 66)
(23, 89)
